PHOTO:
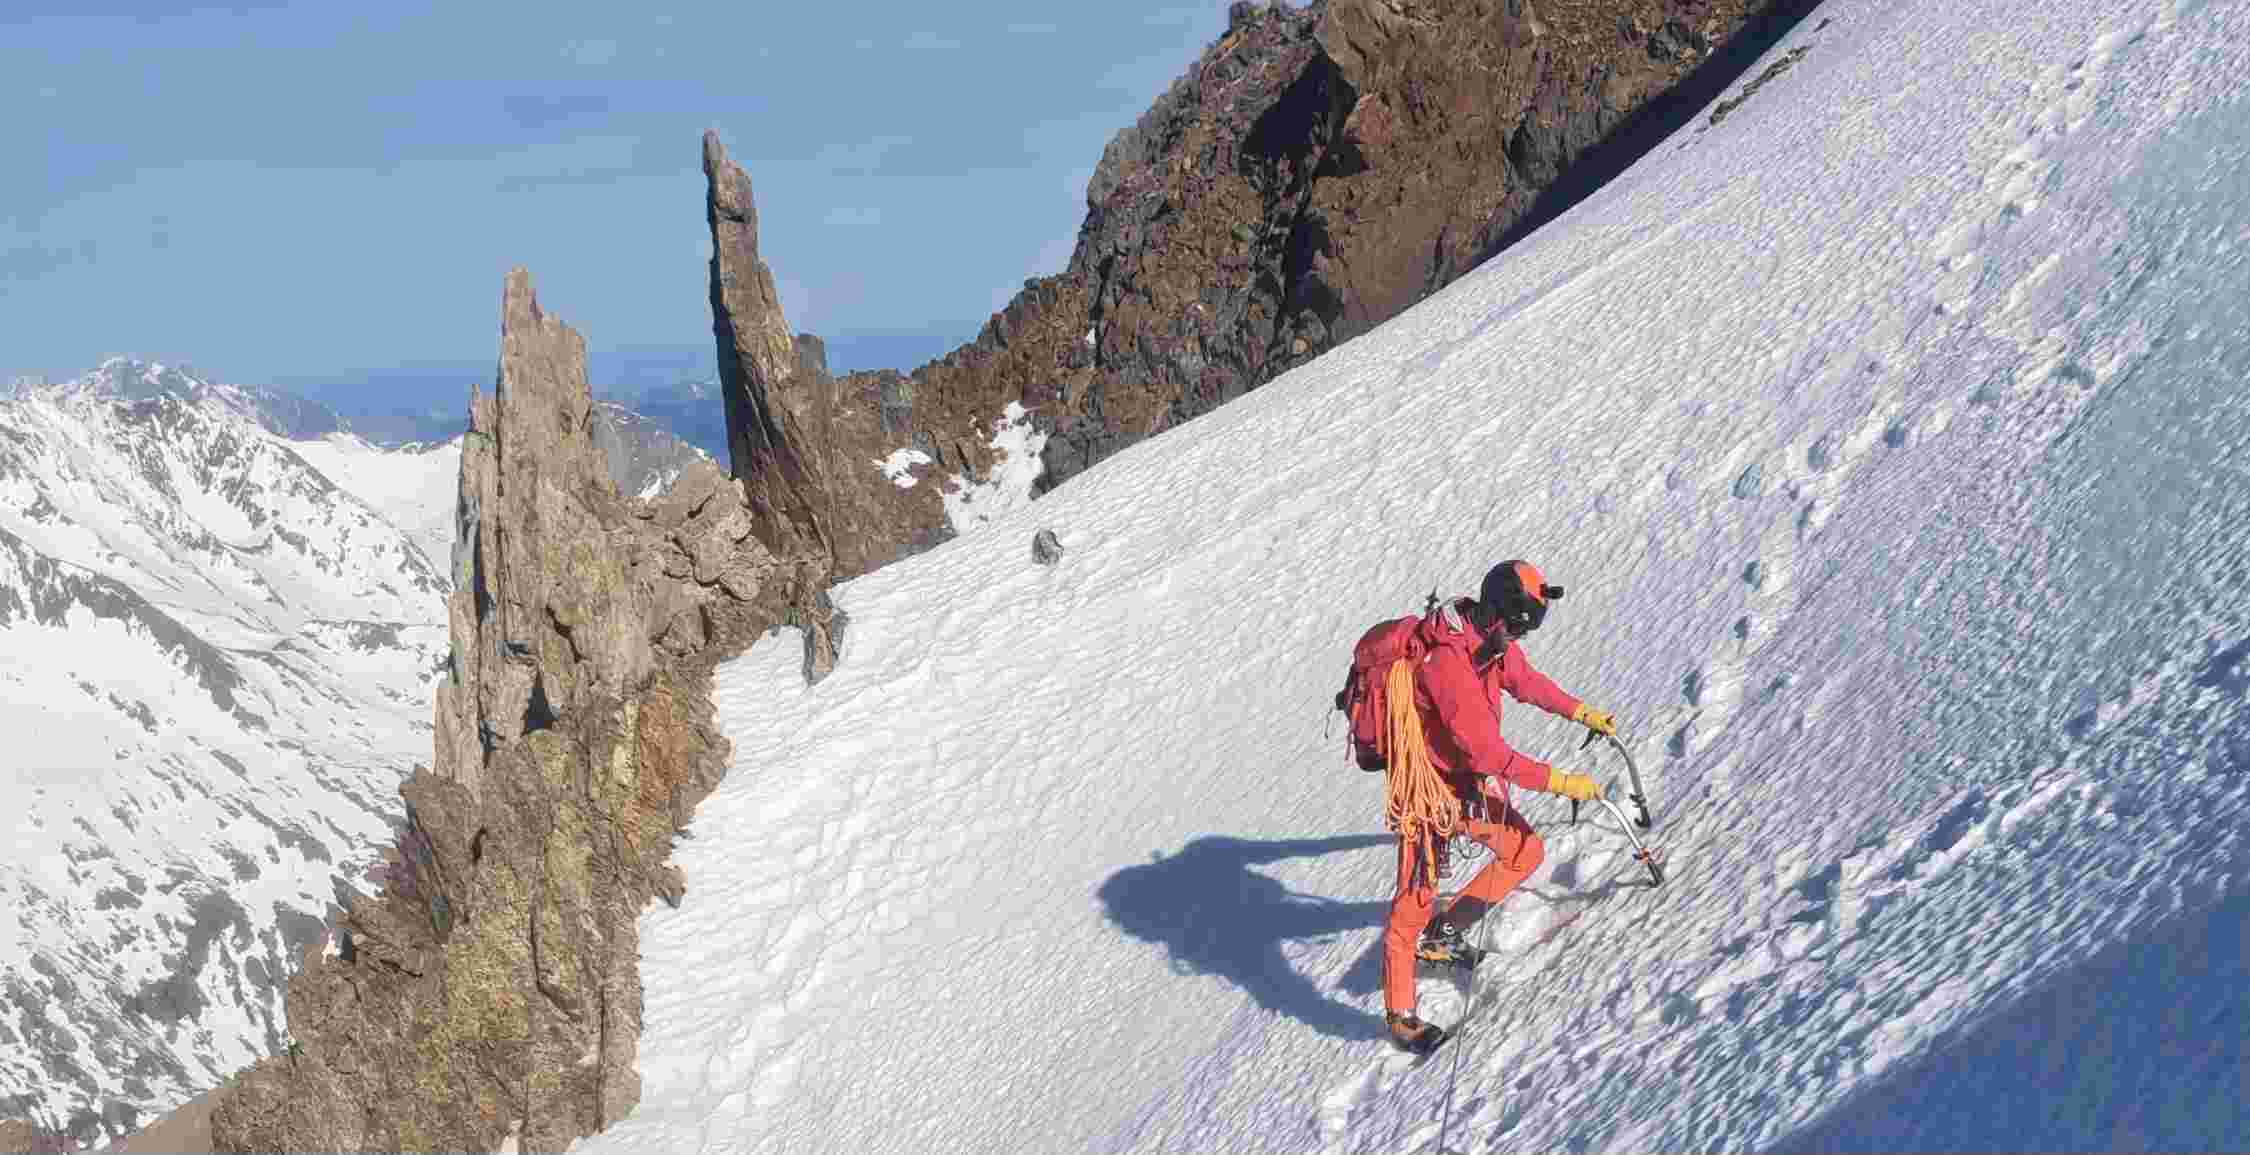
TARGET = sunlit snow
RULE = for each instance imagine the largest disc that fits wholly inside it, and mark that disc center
(973, 504)
(413, 486)
(898, 466)
(1890, 438)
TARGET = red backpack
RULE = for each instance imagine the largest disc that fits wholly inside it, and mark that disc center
(1363, 698)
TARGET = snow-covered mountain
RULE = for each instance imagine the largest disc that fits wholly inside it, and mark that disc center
(1889, 435)
(412, 485)
(277, 411)
(221, 616)
(216, 660)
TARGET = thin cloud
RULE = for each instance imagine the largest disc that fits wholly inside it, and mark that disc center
(587, 160)
(535, 111)
(590, 53)
(858, 157)
(925, 40)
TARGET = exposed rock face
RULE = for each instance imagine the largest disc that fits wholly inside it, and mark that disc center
(772, 403)
(1317, 171)
(494, 987)
(804, 444)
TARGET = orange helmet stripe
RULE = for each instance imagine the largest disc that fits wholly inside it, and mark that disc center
(1534, 582)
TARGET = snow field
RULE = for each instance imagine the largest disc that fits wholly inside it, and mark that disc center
(1888, 439)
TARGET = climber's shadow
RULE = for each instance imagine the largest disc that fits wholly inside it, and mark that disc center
(1215, 915)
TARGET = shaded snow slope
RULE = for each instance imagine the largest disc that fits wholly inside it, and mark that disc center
(1890, 439)
(215, 667)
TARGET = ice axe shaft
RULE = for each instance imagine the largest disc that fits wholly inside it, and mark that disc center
(1632, 773)
(1646, 857)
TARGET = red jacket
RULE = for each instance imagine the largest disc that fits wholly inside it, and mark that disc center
(1460, 704)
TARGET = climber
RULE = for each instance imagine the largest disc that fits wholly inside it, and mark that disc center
(1449, 771)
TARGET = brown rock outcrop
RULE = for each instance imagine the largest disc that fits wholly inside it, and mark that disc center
(493, 989)
(1315, 172)
(772, 403)
(804, 443)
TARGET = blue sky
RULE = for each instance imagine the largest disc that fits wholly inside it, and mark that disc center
(274, 192)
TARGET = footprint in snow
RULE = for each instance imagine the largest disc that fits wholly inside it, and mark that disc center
(2065, 98)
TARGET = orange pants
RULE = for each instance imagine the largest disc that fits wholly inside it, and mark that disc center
(1516, 852)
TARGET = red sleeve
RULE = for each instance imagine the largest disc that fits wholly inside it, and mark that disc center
(1458, 694)
(1531, 687)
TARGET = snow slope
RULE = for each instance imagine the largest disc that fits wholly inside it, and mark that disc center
(215, 668)
(413, 486)
(1891, 440)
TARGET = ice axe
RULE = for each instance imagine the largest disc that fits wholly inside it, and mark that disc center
(1646, 856)
(1640, 792)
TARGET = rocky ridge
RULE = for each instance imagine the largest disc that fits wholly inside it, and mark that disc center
(492, 990)
(1315, 172)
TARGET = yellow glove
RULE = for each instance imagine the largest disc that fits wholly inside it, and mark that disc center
(1594, 720)
(1576, 787)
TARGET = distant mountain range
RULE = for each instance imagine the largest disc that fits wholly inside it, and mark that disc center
(677, 385)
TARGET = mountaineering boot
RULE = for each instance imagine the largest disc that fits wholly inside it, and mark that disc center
(1446, 939)
(1444, 943)
(1411, 1034)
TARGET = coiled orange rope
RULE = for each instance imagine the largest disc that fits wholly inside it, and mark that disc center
(1419, 805)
